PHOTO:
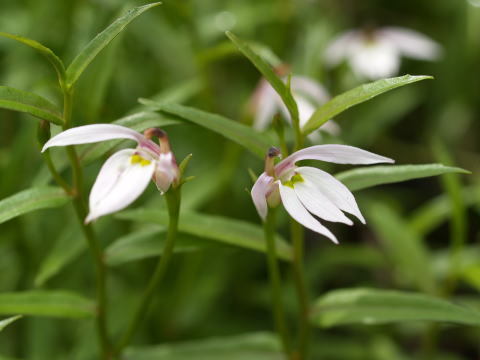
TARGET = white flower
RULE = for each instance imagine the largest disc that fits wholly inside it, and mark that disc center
(308, 94)
(126, 174)
(305, 190)
(375, 54)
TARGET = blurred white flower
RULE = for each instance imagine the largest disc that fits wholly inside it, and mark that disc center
(125, 174)
(306, 190)
(375, 54)
(308, 94)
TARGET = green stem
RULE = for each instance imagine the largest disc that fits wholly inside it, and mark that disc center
(172, 198)
(275, 281)
(56, 176)
(297, 234)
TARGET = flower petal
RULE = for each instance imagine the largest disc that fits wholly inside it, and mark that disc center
(93, 133)
(297, 211)
(332, 189)
(375, 59)
(310, 88)
(259, 194)
(411, 43)
(340, 154)
(341, 47)
(119, 183)
(266, 104)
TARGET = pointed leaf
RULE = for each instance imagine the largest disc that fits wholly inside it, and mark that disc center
(372, 306)
(46, 303)
(219, 228)
(362, 178)
(232, 130)
(267, 71)
(92, 49)
(30, 200)
(354, 97)
(30, 103)
(5, 322)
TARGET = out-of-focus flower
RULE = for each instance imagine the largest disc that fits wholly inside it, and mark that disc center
(308, 94)
(375, 54)
(125, 174)
(305, 190)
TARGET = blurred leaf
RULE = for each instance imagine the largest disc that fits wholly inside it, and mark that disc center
(30, 200)
(232, 130)
(219, 228)
(85, 57)
(5, 322)
(268, 73)
(356, 96)
(406, 249)
(49, 54)
(373, 306)
(361, 178)
(254, 346)
(30, 103)
(55, 303)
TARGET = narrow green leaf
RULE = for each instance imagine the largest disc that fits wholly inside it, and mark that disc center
(30, 103)
(267, 71)
(232, 130)
(92, 49)
(219, 228)
(30, 200)
(43, 50)
(5, 322)
(254, 346)
(46, 303)
(361, 178)
(373, 306)
(354, 97)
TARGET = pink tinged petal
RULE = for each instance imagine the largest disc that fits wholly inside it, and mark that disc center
(259, 194)
(411, 43)
(340, 48)
(93, 133)
(266, 105)
(119, 183)
(332, 189)
(166, 171)
(308, 87)
(297, 211)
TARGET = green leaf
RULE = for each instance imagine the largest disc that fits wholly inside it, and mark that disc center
(366, 177)
(232, 130)
(267, 71)
(43, 50)
(30, 200)
(92, 49)
(354, 97)
(5, 322)
(373, 306)
(254, 346)
(30, 103)
(46, 303)
(219, 228)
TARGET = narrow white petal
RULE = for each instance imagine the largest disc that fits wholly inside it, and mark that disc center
(332, 189)
(305, 109)
(318, 204)
(375, 59)
(340, 47)
(335, 153)
(259, 194)
(297, 211)
(93, 133)
(310, 88)
(411, 43)
(118, 184)
(266, 105)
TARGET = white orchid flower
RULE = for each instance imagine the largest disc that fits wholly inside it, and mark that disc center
(308, 94)
(306, 190)
(126, 174)
(375, 54)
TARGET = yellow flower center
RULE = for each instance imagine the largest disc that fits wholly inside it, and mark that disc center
(293, 180)
(137, 159)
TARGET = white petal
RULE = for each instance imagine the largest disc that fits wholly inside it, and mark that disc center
(266, 105)
(340, 47)
(340, 154)
(297, 211)
(310, 88)
(305, 109)
(93, 133)
(259, 194)
(375, 59)
(412, 43)
(118, 184)
(332, 189)
(318, 204)
(166, 171)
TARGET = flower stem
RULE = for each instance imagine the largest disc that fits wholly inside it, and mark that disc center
(275, 281)
(172, 198)
(301, 289)
(56, 176)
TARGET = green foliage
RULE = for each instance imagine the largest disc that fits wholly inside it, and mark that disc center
(5, 322)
